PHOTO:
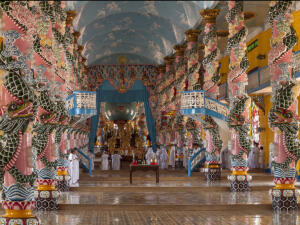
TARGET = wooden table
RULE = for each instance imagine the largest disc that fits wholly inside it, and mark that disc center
(144, 168)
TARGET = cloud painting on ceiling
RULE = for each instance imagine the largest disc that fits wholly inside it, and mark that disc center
(146, 30)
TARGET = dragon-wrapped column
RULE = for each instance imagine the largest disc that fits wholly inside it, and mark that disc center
(62, 175)
(237, 80)
(282, 117)
(18, 106)
(17, 176)
(211, 78)
(45, 124)
(192, 56)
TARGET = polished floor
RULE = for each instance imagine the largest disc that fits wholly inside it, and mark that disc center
(107, 198)
(164, 217)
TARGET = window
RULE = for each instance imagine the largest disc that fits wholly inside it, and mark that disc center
(252, 46)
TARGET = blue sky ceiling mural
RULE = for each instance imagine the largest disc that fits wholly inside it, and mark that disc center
(143, 31)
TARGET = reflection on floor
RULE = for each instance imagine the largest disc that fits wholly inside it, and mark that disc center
(107, 198)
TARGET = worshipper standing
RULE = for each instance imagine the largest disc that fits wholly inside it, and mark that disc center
(73, 168)
(157, 154)
(225, 159)
(172, 157)
(163, 159)
(116, 161)
(261, 157)
(104, 161)
(253, 156)
(149, 155)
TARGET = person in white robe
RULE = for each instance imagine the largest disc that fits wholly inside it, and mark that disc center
(261, 157)
(157, 155)
(253, 157)
(104, 161)
(149, 155)
(73, 168)
(225, 159)
(185, 157)
(163, 159)
(116, 161)
(172, 157)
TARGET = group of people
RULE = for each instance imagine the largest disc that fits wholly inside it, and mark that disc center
(161, 156)
(165, 160)
(115, 161)
(256, 157)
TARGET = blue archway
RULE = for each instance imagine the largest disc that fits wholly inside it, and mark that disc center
(137, 93)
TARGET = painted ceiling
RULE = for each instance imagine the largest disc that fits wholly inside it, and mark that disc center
(142, 31)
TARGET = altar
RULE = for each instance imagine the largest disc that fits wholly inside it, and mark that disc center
(144, 168)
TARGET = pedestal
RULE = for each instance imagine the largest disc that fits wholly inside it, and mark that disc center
(63, 178)
(212, 171)
(239, 183)
(46, 195)
(63, 186)
(284, 199)
(18, 212)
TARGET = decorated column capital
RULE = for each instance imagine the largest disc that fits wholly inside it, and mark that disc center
(210, 15)
(179, 49)
(169, 60)
(161, 68)
(70, 17)
(192, 35)
(80, 49)
(76, 35)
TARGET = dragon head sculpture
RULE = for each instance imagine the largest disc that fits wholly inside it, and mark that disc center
(236, 114)
(21, 105)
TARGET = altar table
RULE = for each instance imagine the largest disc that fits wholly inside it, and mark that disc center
(144, 168)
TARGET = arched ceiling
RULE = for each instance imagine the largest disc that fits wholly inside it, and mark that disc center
(143, 31)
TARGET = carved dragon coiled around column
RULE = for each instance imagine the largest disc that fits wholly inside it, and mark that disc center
(282, 113)
(192, 127)
(43, 128)
(212, 155)
(237, 80)
(282, 118)
(18, 112)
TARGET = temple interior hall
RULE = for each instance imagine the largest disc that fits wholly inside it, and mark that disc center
(149, 112)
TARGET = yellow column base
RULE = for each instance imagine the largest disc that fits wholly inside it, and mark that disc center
(62, 173)
(212, 166)
(11, 213)
(46, 187)
(239, 172)
(284, 186)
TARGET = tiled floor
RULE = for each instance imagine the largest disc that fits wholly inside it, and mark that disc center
(167, 218)
(107, 198)
(156, 198)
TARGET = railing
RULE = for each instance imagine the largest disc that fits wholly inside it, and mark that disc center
(85, 162)
(195, 160)
(196, 104)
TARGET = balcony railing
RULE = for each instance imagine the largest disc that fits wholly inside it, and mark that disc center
(195, 104)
